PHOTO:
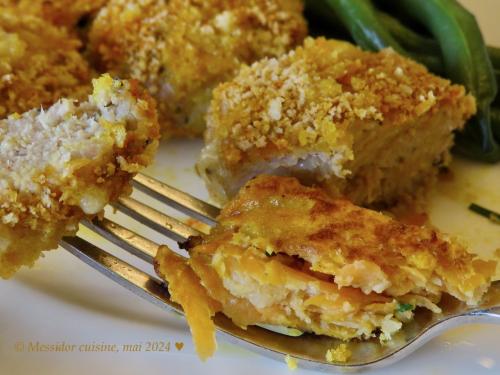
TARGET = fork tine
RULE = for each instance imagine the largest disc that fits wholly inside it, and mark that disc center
(177, 199)
(124, 238)
(162, 223)
(128, 276)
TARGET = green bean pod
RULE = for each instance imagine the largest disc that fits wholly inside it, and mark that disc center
(494, 53)
(411, 42)
(415, 42)
(466, 61)
(323, 21)
(495, 121)
(361, 19)
(408, 38)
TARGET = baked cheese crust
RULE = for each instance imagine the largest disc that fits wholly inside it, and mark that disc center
(289, 255)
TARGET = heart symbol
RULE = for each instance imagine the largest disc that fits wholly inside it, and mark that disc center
(179, 345)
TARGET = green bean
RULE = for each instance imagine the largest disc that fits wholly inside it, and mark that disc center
(408, 38)
(466, 61)
(413, 41)
(356, 16)
(496, 102)
(468, 145)
(320, 9)
(405, 36)
(360, 18)
(485, 212)
(323, 21)
(495, 121)
(487, 88)
(494, 53)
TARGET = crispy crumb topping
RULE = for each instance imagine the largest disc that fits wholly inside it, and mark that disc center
(39, 63)
(181, 49)
(61, 164)
(74, 154)
(313, 98)
(65, 13)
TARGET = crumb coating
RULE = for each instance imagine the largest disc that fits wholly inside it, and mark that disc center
(39, 63)
(311, 98)
(181, 49)
(66, 162)
(64, 13)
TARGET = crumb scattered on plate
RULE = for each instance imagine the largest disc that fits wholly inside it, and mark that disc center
(291, 362)
(340, 353)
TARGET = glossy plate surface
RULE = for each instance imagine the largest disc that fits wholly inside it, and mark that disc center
(62, 317)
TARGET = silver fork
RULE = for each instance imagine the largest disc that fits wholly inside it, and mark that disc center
(308, 350)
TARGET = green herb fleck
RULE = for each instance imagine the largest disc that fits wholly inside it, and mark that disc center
(403, 307)
(490, 215)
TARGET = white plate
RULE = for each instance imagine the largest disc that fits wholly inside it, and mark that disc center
(62, 300)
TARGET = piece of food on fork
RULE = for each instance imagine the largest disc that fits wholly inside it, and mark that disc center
(289, 255)
(373, 127)
(39, 63)
(181, 49)
(61, 164)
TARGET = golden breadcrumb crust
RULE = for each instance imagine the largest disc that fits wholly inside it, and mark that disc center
(289, 255)
(39, 63)
(309, 98)
(66, 162)
(64, 13)
(181, 49)
(331, 113)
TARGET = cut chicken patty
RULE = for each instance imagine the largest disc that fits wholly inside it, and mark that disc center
(66, 162)
(289, 255)
(181, 49)
(374, 127)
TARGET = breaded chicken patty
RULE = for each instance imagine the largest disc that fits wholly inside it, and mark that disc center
(67, 162)
(289, 255)
(373, 127)
(39, 63)
(181, 49)
(65, 13)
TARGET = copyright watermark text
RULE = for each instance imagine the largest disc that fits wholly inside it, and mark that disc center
(96, 347)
